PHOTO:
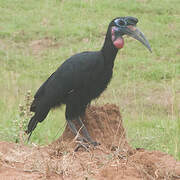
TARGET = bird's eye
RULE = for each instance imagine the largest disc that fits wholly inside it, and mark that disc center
(121, 22)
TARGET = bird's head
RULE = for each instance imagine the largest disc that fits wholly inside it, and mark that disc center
(126, 26)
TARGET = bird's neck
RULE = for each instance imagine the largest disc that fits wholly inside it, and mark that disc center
(109, 51)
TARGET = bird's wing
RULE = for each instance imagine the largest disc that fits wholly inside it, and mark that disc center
(73, 74)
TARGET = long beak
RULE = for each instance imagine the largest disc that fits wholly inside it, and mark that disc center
(138, 35)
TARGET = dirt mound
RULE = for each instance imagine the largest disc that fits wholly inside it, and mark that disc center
(113, 159)
(104, 123)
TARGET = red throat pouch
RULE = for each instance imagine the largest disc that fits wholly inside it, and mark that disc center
(119, 43)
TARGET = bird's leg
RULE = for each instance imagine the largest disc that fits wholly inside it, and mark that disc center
(74, 130)
(80, 139)
(86, 134)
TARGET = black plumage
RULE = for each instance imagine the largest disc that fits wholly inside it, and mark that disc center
(80, 79)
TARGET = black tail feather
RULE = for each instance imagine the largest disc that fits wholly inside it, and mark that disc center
(32, 124)
(38, 117)
(34, 105)
(29, 137)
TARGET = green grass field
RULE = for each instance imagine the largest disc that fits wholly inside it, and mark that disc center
(37, 36)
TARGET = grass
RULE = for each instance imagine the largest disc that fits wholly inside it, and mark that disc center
(37, 36)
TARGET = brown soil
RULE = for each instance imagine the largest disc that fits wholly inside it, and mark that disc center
(113, 159)
(39, 46)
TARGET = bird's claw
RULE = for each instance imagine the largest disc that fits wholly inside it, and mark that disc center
(83, 145)
(86, 146)
(94, 143)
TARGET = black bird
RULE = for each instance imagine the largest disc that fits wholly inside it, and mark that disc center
(82, 78)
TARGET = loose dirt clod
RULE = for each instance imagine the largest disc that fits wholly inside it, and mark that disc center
(113, 159)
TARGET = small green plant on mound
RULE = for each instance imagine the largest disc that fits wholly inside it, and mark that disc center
(20, 123)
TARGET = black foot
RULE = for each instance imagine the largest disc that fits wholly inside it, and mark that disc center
(86, 146)
(94, 143)
(82, 145)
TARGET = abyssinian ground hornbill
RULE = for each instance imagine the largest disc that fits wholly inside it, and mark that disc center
(82, 78)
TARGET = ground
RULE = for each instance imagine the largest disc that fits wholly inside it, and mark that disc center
(113, 159)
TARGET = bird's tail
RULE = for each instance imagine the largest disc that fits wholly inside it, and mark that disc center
(38, 117)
